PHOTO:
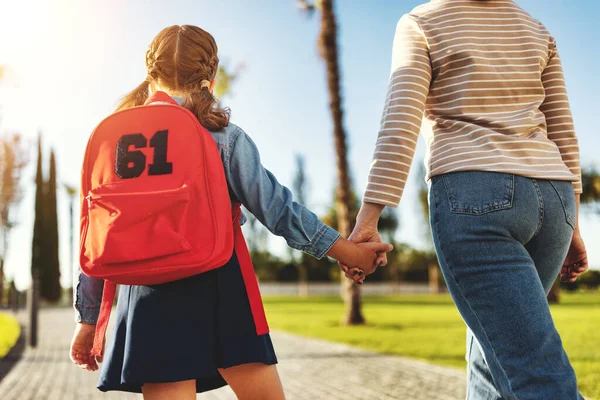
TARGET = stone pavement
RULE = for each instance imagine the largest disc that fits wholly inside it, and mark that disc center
(310, 369)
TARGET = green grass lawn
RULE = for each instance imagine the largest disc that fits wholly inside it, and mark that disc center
(9, 333)
(430, 328)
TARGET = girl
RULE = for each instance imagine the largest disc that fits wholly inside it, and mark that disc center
(503, 166)
(176, 339)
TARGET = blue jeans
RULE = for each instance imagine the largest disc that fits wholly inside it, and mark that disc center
(501, 241)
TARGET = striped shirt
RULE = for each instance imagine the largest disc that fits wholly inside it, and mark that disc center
(483, 80)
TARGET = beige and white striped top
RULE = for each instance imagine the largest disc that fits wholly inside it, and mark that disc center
(488, 80)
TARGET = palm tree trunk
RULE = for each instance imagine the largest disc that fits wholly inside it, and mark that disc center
(554, 294)
(329, 52)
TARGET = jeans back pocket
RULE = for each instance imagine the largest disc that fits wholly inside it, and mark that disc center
(479, 192)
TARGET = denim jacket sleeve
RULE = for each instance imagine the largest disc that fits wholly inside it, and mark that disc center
(88, 296)
(272, 203)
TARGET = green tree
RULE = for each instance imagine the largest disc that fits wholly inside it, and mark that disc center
(432, 269)
(423, 194)
(13, 158)
(37, 251)
(257, 237)
(387, 226)
(50, 288)
(590, 179)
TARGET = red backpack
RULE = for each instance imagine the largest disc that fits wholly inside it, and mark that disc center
(155, 205)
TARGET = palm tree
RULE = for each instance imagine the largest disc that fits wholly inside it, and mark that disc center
(590, 178)
(328, 49)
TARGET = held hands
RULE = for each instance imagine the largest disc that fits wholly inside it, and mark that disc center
(365, 232)
(364, 236)
(81, 347)
(358, 260)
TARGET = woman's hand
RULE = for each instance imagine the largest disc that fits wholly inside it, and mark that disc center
(576, 262)
(81, 347)
(362, 234)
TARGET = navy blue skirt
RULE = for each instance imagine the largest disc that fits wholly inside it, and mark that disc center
(183, 330)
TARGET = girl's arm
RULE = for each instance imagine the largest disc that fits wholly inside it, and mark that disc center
(273, 205)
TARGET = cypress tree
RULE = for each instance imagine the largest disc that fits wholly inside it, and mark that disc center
(37, 251)
(50, 288)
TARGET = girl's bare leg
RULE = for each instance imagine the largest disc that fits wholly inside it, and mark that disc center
(184, 390)
(254, 381)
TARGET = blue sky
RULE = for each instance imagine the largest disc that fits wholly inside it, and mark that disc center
(71, 61)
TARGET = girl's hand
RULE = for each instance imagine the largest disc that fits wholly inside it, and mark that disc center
(576, 262)
(81, 347)
(369, 255)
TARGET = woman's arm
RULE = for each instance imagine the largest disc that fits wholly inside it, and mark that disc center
(402, 115)
(556, 109)
(400, 126)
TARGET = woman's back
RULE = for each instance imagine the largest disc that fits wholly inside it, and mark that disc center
(489, 81)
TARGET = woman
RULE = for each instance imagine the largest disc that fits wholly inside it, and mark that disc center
(504, 176)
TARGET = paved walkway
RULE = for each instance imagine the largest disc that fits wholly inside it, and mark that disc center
(310, 369)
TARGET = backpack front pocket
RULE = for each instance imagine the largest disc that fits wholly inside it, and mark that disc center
(126, 227)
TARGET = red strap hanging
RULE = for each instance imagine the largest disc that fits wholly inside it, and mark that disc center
(243, 256)
(108, 298)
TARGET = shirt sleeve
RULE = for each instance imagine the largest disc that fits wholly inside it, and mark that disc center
(272, 203)
(557, 111)
(88, 297)
(402, 115)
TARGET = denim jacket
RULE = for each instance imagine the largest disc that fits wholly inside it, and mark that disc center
(260, 192)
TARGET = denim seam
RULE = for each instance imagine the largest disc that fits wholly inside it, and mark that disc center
(562, 202)
(231, 144)
(541, 202)
(310, 247)
(326, 250)
(441, 256)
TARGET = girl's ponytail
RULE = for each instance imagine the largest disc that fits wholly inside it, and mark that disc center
(183, 60)
(136, 97)
(206, 108)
